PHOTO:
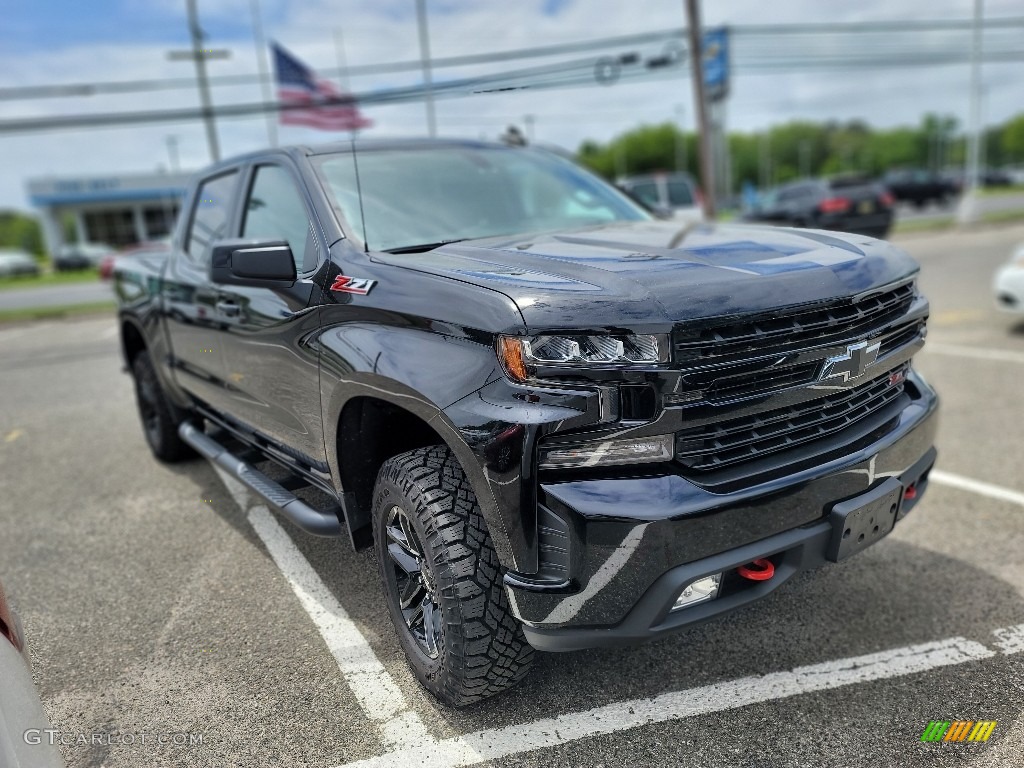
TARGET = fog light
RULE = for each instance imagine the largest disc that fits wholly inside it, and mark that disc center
(634, 450)
(699, 591)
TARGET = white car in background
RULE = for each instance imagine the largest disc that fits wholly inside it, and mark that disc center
(14, 262)
(1009, 283)
(676, 193)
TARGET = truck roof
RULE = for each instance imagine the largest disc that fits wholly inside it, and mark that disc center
(365, 145)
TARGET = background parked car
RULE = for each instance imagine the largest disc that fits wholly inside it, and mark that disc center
(844, 204)
(23, 740)
(919, 187)
(675, 192)
(1009, 283)
(80, 256)
(994, 177)
(107, 262)
(14, 262)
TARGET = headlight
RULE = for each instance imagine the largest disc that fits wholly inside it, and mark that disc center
(603, 453)
(522, 354)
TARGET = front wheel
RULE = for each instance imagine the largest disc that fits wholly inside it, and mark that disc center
(443, 580)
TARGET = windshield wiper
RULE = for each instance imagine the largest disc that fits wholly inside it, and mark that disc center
(424, 247)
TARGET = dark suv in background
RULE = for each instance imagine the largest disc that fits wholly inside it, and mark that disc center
(851, 204)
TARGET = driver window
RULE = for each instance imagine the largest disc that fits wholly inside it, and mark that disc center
(275, 211)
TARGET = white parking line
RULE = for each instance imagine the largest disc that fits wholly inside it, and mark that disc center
(376, 691)
(402, 729)
(1010, 640)
(552, 732)
(977, 486)
(1000, 355)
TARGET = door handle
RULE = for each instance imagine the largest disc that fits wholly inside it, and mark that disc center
(229, 308)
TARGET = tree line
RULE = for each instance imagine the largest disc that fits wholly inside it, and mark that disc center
(803, 148)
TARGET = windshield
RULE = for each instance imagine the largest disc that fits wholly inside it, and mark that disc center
(424, 195)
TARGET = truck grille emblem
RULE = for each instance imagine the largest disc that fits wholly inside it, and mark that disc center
(853, 363)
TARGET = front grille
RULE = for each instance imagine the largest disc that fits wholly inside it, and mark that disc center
(728, 443)
(811, 326)
(738, 387)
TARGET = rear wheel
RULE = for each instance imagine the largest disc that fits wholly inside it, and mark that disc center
(160, 419)
(443, 581)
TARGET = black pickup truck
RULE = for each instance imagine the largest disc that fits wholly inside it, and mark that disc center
(560, 422)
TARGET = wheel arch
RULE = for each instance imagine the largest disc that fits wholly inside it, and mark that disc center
(370, 423)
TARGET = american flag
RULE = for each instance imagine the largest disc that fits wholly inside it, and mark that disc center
(298, 84)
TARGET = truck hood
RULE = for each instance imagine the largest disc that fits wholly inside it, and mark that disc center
(627, 274)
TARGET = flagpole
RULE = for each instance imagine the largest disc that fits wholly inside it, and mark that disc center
(339, 53)
(428, 84)
(261, 60)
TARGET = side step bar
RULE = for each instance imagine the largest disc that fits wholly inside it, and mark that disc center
(295, 509)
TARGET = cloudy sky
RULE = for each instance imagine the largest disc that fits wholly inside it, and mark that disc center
(60, 41)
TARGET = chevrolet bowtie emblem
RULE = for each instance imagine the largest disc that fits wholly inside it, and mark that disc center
(853, 364)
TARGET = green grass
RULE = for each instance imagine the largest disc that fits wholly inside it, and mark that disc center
(923, 225)
(1016, 189)
(46, 313)
(49, 278)
(949, 222)
(1002, 217)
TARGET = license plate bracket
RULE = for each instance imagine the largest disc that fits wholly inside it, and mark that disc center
(859, 522)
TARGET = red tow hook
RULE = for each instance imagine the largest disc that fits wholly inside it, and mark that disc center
(910, 493)
(759, 570)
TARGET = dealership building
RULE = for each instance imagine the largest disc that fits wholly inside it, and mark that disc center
(116, 210)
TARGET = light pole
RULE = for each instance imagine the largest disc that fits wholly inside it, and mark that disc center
(199, 55)
(968, 210)
(428, 80)
(765, 151)
(172, 152)
(805, 158)
(707, 177)
(339, 54)
(261, 61)
(680, 138)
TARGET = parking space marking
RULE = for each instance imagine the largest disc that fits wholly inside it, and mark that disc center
(410, 743)
(552, 732)
(1010, 640)
(977, 486)
(983, 353)
(376, 691)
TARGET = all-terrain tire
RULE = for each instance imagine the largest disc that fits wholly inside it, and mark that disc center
(480, 649)
(160, 419)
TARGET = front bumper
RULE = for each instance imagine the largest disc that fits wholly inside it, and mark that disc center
(636, 542)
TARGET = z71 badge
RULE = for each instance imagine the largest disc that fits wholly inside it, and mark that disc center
(359, 285)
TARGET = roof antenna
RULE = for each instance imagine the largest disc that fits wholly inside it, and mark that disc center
(359, 192)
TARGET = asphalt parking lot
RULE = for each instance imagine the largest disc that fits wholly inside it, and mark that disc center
(163, 600)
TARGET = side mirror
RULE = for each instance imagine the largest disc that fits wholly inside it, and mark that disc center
(258, 264)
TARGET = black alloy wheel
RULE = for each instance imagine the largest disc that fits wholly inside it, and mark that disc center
(415, 584)
(443, 581)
